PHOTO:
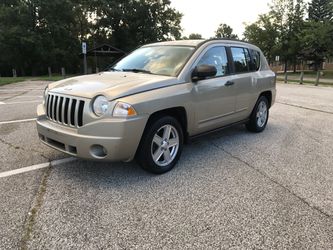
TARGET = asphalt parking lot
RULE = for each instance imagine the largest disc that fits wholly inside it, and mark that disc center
(231, 189)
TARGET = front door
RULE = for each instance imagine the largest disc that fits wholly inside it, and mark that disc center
(214, 98)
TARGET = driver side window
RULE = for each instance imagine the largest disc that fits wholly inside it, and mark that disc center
(217, 57)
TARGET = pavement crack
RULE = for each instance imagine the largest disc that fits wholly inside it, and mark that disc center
(24, 149)
(302, 107)
(303, 200)
(9, 144)
(8, 98)
(33, 213)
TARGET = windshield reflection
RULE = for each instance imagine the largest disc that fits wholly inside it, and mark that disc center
(159, 60)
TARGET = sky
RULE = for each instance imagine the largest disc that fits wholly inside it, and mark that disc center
(204, 16)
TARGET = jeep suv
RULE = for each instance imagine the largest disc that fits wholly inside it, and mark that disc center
(156, 98)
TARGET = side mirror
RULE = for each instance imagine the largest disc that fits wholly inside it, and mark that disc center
(203, 71)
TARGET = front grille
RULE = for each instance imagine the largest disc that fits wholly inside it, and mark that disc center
(65, 110)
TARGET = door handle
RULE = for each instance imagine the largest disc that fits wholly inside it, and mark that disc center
(229, 83)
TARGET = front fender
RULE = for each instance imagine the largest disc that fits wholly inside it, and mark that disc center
(149, 102)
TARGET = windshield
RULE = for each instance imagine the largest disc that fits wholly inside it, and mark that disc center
(159, 60)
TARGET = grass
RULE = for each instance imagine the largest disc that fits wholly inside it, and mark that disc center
(327, 74)
(305, 82)
(309, 77)
(8, 80)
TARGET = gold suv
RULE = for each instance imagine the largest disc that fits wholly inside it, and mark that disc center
(155, 99)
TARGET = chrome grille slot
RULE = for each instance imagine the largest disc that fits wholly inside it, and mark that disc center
(60, 109)
(51, 107)
(55, 106)
(65, 110)
(73, 108)
(80, 114)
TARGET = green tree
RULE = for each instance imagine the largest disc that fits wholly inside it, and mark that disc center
(128, 24)
(318, 33)
(35, 34)
(60, 33)
(264, 34)
(288, 15)
(321, 10)
(195, 36)
(19, 42)
(317, 42)
(225, 31)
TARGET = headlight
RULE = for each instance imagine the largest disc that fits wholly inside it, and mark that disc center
(100, 105)
(123, 110)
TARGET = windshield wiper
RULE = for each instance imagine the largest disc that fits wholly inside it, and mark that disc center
(137, 71)
(113, 69)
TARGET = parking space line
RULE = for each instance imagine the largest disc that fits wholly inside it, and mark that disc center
(35, 167)
(19, 90)
(7, 103)
(18, 121)
(28, 96)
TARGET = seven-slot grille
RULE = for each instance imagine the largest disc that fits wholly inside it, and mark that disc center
(65, 110)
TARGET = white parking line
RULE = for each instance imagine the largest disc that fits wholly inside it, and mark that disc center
(19, 90)
(35, 167)
(28, 96)
(7, 103)
(18, 121)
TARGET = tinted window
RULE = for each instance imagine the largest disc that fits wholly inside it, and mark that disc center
(217, 57)
(241, 59)
(248, 58)
(255, 65)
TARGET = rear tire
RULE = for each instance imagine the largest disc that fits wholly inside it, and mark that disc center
(259, 116)
(161, 145)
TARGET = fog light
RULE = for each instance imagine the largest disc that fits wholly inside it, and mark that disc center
(98, 151)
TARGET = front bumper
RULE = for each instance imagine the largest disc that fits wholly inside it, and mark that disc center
(110, 139)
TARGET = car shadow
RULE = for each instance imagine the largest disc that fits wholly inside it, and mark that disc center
(195, 157)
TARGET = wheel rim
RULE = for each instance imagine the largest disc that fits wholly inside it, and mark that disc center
(261, 114)
(164, 146)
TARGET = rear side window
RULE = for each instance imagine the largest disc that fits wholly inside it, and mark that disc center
(241, 59)
(255, 65)
(217, 57)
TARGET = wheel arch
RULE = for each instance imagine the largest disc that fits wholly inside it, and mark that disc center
(268, 95)
(178, 113)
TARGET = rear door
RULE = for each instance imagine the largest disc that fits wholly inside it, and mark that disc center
(244, 80)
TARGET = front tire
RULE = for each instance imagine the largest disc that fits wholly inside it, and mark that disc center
(259, 116)
(161, 145)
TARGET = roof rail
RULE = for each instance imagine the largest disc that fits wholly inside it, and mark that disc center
(226, 39)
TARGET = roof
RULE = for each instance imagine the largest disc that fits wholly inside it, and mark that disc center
(197, 43)
(193, 43)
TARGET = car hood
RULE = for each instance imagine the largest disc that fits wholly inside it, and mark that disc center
(113, 85)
